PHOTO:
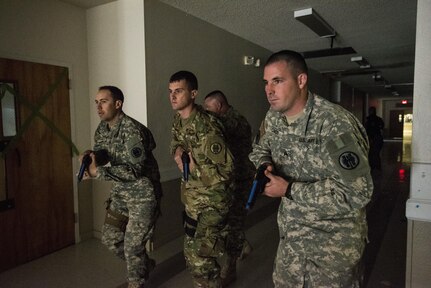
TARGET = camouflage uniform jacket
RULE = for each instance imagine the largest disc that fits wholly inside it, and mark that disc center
(324, 153)
(129, 144)
(239, 140)
(202, 135)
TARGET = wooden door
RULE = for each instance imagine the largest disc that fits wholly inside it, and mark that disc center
(38, 164)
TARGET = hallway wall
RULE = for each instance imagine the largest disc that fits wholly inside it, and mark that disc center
(177, 41)
(419, 205)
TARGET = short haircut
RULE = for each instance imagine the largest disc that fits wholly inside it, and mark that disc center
(217, 94)
(189, 77)
(116, 92)
(294, 60)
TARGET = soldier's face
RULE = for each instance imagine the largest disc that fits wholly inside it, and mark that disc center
(282, 88)
(180, 95)
(107, 109)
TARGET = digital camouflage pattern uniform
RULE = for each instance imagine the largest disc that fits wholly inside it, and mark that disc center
(238, 135)
(206, 196)
(131, 212)
(322, 224)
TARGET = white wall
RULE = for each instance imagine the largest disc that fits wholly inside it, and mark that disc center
(418, 207)
(116, 56)
(52, 32)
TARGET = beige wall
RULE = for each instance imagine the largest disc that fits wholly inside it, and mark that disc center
(177, 41)
(52, 32)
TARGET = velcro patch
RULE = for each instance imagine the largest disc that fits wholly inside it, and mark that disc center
(348, 158)
(136, 149)
(215, 149)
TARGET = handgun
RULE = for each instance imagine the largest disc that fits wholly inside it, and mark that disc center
(101, 156)
(86, 161)
(186, 165)
(258, 185)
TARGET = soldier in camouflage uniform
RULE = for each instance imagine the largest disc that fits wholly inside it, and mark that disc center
(134, 173)
(239, 140)
(317, 156)
(206, 194)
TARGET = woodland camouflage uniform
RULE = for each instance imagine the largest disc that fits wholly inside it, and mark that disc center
(239, 140)
(132, 206)
(322, 224)
(206, 195)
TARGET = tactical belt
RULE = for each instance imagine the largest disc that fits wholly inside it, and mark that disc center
(116, 219)
(190, 225)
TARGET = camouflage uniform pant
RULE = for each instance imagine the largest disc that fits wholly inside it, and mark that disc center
(202, 250)
(335, 262)
(129, 245)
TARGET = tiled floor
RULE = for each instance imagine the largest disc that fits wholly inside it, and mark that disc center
(89, 264)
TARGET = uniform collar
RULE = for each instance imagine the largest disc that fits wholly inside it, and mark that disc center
(185, 122)
(304, 120)
(117, 125)
(301, 124)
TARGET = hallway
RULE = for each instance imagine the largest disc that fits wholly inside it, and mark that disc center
(89, 264)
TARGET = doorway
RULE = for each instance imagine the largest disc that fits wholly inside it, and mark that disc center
(396, 124)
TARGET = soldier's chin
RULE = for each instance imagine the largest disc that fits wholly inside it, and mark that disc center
(276, 108)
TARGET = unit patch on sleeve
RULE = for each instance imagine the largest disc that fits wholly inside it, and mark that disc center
(136, 152)
(347, 157)
(216, 148)
(348, 160)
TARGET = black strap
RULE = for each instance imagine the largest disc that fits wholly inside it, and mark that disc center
(190, 225)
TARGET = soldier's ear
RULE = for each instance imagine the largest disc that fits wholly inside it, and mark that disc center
(219, 105)
(302, 80)
(118, 104)
(194, 94)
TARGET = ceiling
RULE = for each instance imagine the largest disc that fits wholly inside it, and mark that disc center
(381, 31)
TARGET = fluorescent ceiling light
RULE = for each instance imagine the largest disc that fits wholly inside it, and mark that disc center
(361, 61)
(315, 22)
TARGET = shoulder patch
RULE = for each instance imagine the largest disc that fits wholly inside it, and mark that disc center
(349, 160)
(136, 152)
(347, 156)
(216, 148)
